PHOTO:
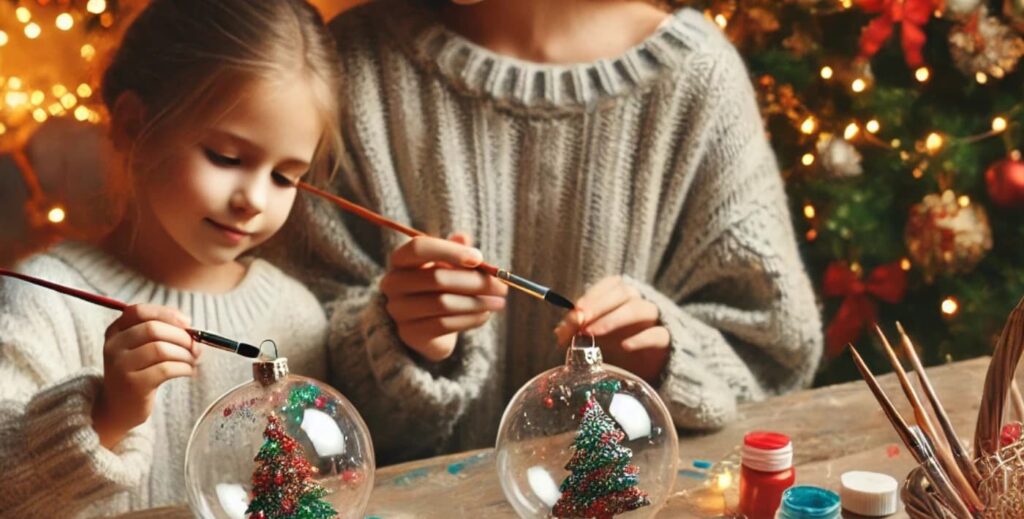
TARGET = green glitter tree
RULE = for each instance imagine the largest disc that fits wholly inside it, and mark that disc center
(602, 482)
(283, 486)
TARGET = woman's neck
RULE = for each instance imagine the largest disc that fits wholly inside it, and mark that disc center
(141, 244)
(563, 31)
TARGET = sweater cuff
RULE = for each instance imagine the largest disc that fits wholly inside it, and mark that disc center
(436, 393)
(695, 397)
(65, 449)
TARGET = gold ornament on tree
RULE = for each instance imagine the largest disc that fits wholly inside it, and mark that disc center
(947, 234)
(985, 44)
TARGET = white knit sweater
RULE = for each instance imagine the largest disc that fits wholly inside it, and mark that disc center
(653, 166)
(51, 363)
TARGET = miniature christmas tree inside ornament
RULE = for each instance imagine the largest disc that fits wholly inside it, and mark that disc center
(586, 440)
(279, 447)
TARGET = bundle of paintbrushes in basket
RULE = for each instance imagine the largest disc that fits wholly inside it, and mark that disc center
(949, 483)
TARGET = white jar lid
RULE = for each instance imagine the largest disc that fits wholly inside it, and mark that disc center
(869, 493)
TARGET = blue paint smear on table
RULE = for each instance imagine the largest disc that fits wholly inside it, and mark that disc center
(410, 476)
(457, 467)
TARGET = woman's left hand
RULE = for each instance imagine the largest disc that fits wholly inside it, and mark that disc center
(624, 324)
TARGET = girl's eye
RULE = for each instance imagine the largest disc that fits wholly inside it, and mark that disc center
(221, 160)
(282, 180)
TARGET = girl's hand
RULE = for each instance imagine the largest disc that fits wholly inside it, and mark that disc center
(431, 300)
(623, 323)
(145, 347)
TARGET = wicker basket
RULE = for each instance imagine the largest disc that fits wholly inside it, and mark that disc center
(1001, 467)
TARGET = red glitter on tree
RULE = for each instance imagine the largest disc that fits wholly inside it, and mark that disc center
(602, 483)
(283, 486)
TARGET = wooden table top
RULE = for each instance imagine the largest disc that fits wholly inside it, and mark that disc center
(834, 429)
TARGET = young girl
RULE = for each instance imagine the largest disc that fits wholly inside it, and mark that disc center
(606, 148)
(217, 109)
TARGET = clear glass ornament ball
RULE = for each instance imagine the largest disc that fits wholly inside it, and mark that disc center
(541, 429)
(280, 446)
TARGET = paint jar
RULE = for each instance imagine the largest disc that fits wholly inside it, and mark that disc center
(806, 502)
(767, 471)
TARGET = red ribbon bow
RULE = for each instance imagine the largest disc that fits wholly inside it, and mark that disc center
(859, 308)
(912, 15)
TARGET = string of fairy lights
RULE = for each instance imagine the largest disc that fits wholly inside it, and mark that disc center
(857, 79)
(48, 50)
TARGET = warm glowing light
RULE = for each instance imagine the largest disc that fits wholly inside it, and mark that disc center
(59, 90)
(106, 20)
(3, 129)
(950, 306)
(16, 99)
(826, 72)
(922, 74)
(873, 126)
(96, 6)
(88, 52)
(809, 211)
(858, 85)
(812, 235)
(82, 113)
(905, 264)
(895, 143)
(809, 125)
(963, 200)
(56, 215)
(3, 38)
(917, 173)
(84, 90)
(998, 124)
(23, 14)
(39, 115)
(32, 31)
(723, 481)
(721, 20)
(65, 21)
(851, 131)
(68, 100)
(14, 83)
(807, 159)
(981, 78)
(933, 142)
(37, 97)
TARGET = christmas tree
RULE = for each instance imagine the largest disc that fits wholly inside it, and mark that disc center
(283, 486)
(897, 125)
(602, 483)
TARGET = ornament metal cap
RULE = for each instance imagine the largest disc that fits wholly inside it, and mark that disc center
(583, 356)
(267, 371)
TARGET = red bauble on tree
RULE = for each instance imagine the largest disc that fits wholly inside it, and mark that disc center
(1005, 183)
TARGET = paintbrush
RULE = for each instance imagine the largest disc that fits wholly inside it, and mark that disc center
(520, 283)
(914, 442)
(205, 337)
(941, 451)
(960, 454)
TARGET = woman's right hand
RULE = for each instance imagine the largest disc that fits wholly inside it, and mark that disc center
(145, 347)
(431, 301)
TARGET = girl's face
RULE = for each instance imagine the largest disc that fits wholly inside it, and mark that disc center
(232, 190)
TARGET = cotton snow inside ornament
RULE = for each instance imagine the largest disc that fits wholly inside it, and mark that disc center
(586, 439)
(279, 447)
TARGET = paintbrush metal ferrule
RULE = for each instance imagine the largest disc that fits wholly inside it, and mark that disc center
(223, 343)
(925, 454)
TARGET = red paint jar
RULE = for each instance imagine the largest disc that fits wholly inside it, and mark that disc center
(767, 471)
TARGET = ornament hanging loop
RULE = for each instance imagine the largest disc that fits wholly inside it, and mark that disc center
(272, 343)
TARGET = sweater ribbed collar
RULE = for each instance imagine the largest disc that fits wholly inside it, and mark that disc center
(512, 82)
(239, 309)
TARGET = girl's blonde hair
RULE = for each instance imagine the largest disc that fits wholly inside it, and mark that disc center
(187, 61)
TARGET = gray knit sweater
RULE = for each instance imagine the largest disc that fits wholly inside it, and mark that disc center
(653, 166)
(51, 363)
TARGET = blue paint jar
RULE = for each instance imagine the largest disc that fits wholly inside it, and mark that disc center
(806, 502)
